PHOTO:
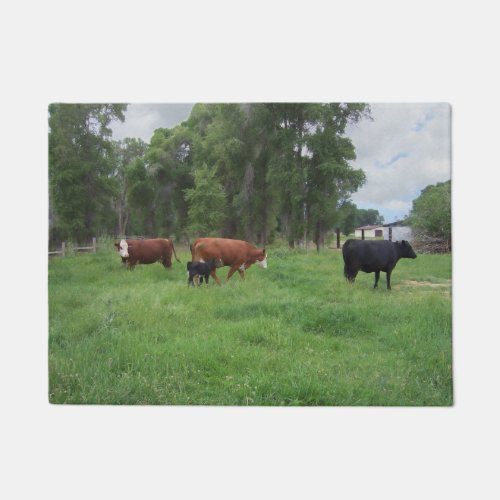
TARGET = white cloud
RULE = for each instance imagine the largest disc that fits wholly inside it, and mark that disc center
(404, 149)
(141, 120)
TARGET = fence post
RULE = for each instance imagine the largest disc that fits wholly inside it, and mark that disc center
(94, 246)
(337, 230)
(390, 233)
(362, 234)
(63, 251)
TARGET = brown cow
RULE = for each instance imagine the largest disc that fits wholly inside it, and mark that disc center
(135, 252)
(237, 254)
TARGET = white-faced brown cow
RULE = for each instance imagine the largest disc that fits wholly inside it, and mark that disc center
(237, 254)
(135, 252)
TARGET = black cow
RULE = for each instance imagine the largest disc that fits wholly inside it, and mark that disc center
(202, 269)
(373, 257)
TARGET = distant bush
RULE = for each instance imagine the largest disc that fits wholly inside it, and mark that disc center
(430, 218)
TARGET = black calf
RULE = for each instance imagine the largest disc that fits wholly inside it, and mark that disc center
(202, 269)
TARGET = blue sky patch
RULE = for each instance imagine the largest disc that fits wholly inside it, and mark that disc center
(423, 122)
(393, 160)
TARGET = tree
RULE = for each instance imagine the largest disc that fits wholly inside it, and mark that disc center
(331, 179)
(224, 148)
(292, 124)
(348, 214)
(234, 140)
(368, 217)
(430, 216)
(129, 155)
(169, 164)
(311, 163)
(81, 161)
(286, 162)
(207, 203)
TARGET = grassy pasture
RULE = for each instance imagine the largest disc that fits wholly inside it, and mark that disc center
(293, 334)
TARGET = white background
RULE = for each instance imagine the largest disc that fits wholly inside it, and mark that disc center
(385, 51)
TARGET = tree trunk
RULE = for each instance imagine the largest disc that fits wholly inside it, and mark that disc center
(319, 235)
(263, 232)
(247, 191)
(123, 210)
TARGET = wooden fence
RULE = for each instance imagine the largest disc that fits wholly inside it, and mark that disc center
(93, 247)
(64, 248)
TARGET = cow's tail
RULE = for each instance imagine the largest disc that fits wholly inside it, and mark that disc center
(175, 255)
(192, 249)
(348, 272)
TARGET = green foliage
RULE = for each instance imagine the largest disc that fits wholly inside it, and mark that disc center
(207, 203)
(282, 167)
(132, 188)
(81, 162)
(170, 163)
(352, 217)
(431, 212)
(313, 161)
(368, 217)
(293, 334)
(348, 214)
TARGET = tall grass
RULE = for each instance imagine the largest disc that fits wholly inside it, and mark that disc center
(293, 334)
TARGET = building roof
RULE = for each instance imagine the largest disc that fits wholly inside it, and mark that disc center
(397, 223)
(376, 226)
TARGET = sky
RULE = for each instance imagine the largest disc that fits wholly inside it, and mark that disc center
(403, 149)
(141, 120)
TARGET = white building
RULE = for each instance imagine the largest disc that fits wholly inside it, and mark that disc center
(370, 231)
(399, 231)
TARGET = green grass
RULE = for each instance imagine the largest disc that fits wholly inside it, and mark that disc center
(293, 334)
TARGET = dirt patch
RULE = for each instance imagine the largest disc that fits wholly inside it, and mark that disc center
(447, 284)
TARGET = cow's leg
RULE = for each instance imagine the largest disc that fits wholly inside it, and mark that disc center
(215, 277)
(206, 278)
(388, 276)
(242, 273)
(167, 263)
(231, 272)
(377, 276)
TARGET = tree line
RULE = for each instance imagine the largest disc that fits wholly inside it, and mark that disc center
(430, 218)
(249, 171)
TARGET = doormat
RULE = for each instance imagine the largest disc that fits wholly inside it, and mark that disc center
(262, 254)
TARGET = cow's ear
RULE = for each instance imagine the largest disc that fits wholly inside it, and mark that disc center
(404, 242)
(117, 245)
(264, 252)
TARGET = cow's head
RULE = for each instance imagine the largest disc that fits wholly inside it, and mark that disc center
(406, 251)
(262, 259)
(122, 248)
